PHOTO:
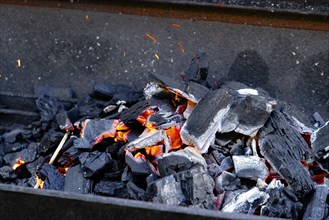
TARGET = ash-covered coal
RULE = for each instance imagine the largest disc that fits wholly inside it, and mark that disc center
(229, 148)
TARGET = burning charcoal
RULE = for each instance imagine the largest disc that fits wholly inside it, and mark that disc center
(214, 169)
(219, 157)
(93, 128)
(111, 188)
(198, 69)
(281, 203)
(75, 182)
(136, 193)
(246, 202)
(200, 129)
(138, 165)
(69, 157)
(95, 163)
(51, 177)
(22, 172)
(251, 167)
(192, 186)
(320, 144)
(27, 155)
(170, 163)
(227, 182)
(283, 148)
(147, 140)
(128, 117)
(187, 89)
(49, 142)
(317, 208)
(7, 173)
(226, 164)
(238, 148)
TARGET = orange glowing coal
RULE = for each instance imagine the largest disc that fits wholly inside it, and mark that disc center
(19, 162)
(173, 134)
(154, 151)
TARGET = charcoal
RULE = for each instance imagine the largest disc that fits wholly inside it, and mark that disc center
(209, 158)
(95, 127)
(10, 148)
(164, 121)
(223, 139)
(214, 170)
(198, 69)
(69, 143)
(49, 142)
(63, 121)
(147, 140)
(75, 182)
(283, 148)
(138, 165)
(82, 144)
(246, 202)
(69, 157)
(48, 106)
(238, 148)
(200, 129)
(13, 135)
(51, 177)
(126, 175)
(95, 163)
(22, 172)
(221, 149)
(170, 163)
(317, 207)
(251, 167)
(224, 111)
(28, 155)
(136, 192)
(320, 140)
(227, 182)
(192, 186)
(64, 93)
(7, 173)
(280, 204)
(183, 87)
(128, 117)
(111, 188)
(226, 164)
(89, 108)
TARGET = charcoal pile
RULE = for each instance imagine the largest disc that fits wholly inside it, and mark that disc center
(181, 141)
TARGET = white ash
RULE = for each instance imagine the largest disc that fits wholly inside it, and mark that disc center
(147, 140)
(251, 167)
(248, 91)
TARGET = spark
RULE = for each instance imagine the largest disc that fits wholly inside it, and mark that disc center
(150, 37)
(87, 17)
(181, 47)
(156, 56)
(176, 25)
(19, 64)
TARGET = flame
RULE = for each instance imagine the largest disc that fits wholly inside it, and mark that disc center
(121, 127)
(84, 124)
(139, 155)
(155, 150)
(40, 183)
(122, 136)
(173, 134)
(107, 134)
(63, 170)
(18, 163)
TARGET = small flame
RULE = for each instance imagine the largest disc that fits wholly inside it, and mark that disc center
(19, 162)
(155, 150)
(84, 124)
(139, 155)
(39, 184)
(63, 170)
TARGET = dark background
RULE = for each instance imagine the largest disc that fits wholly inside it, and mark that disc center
(59, 47)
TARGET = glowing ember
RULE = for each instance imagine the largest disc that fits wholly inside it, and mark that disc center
(174, 136)
(107, 134)
(140, 156)
(152, 38)
(84, 124)
(18, 163)
(19, 64)
(154, 151)
(176, 25)
(181, 47)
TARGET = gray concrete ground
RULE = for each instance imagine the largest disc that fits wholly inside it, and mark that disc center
(60, 47)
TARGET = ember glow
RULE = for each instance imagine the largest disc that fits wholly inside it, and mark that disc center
(18, 163)
(151, 37)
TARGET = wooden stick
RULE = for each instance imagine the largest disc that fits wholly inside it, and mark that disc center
(52, 159)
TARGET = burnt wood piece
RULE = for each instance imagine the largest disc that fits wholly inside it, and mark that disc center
(75, 182)
(82, 143)
(283, 147)
(49, 142)
(185, 88)
(200, 129)
(190, 187)
(227, 182)
(7, 174)
(51, 177)
(136, 192)
(138, 165)
(246, 202)
(96, 127)
(95, 163)
(281, 204)
(318, 208)
(28, 155)
(320, 145)
(48, 106)
(198, 69)
(13, 135)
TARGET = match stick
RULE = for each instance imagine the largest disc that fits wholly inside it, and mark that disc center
(52, 159)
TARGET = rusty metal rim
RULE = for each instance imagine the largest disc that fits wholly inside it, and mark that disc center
(237, 15)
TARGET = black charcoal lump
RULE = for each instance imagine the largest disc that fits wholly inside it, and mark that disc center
(51, 177)
(190, 187)
(320, 145)
(317, 207)
(95, 163)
